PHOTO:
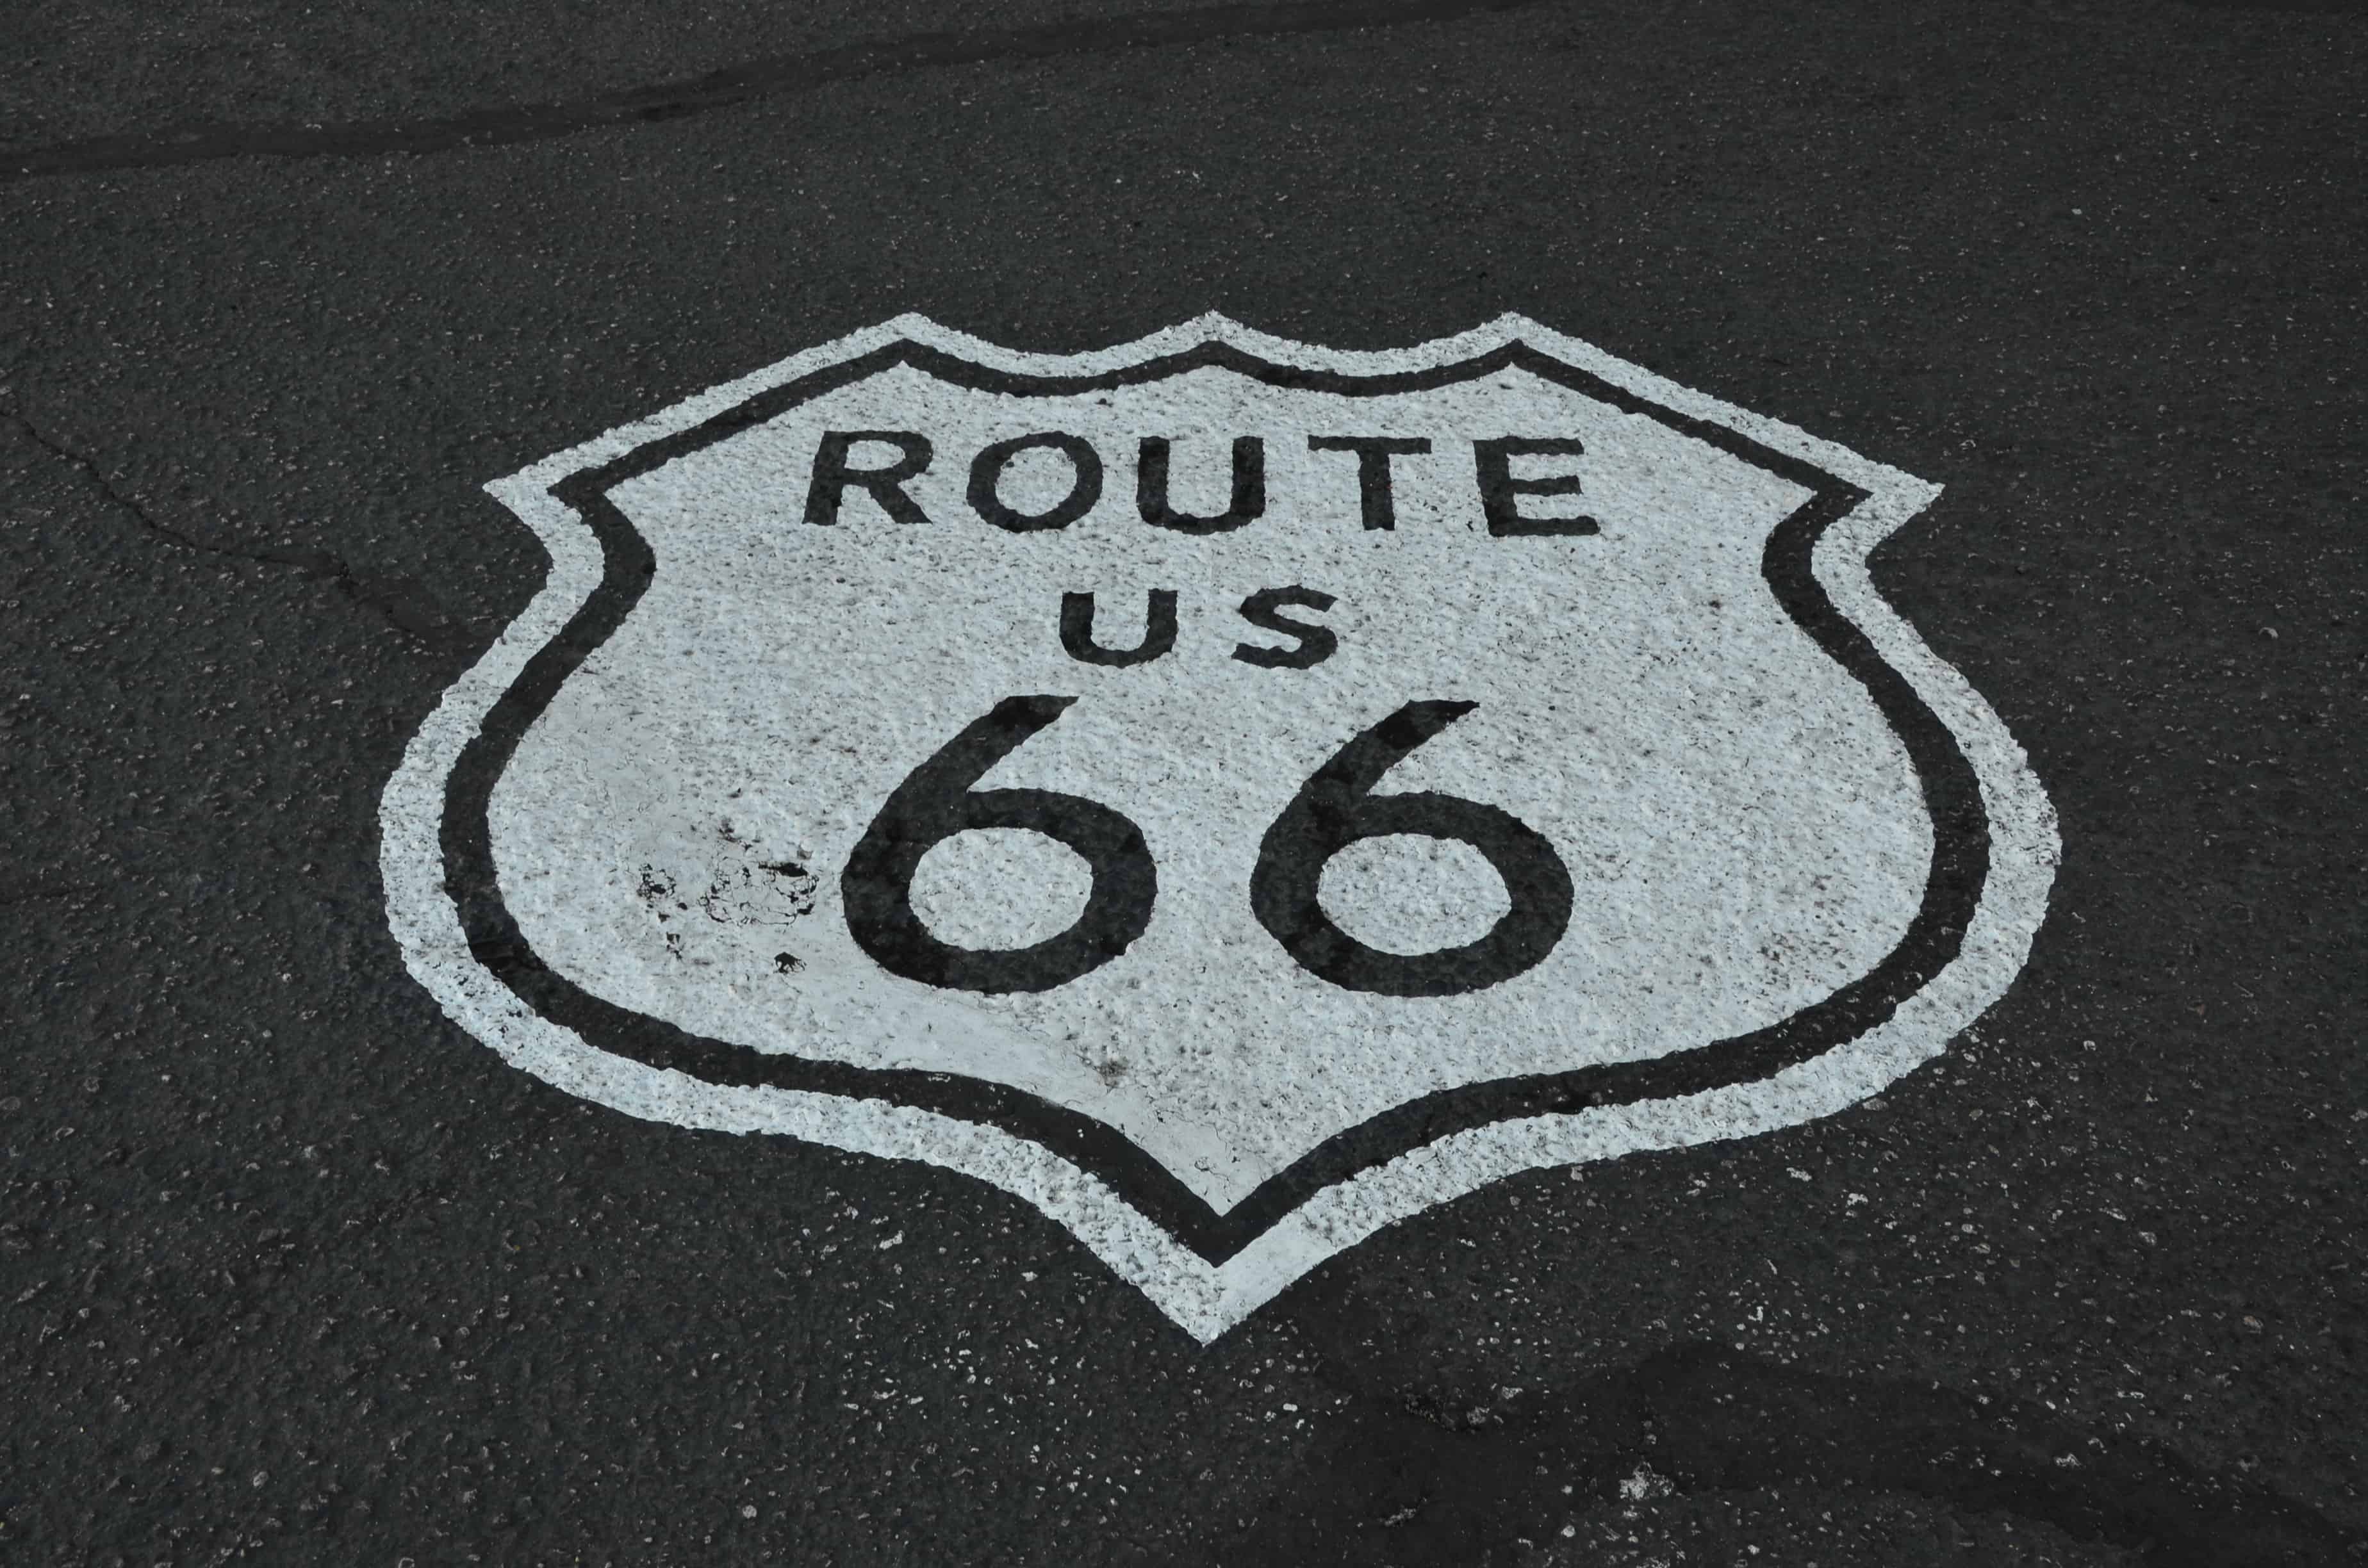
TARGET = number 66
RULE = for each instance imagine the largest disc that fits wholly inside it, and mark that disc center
(1333, 810)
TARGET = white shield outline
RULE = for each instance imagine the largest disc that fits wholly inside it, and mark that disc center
(1205, 1297)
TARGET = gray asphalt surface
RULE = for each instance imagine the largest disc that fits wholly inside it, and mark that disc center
(294, 1270)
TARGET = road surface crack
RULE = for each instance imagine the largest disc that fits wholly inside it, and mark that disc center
(405, 604)
(37, 890)
(732, 84)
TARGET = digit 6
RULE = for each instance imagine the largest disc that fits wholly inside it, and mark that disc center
(1334, 808)
(935, 802)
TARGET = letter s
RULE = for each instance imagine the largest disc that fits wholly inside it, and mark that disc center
(1316, 643)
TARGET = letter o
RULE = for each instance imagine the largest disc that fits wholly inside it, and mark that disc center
(987, 472)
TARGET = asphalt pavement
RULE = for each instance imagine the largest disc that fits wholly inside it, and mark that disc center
(296, 1269)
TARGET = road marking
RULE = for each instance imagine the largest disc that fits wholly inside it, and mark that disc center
(1230, 793)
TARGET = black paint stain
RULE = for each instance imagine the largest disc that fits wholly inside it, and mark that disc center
(732, 84)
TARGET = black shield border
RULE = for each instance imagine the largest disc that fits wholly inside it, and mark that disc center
(1952, 795)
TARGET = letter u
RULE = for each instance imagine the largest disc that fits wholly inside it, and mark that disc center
(1077, 630)
(1249, 488)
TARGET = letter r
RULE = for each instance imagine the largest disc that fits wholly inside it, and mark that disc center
(832, 476)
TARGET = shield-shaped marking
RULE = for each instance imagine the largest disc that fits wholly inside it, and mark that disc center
(1229, 793)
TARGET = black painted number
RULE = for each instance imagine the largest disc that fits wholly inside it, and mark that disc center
(1333, 810)
(937, 803)
(1336, 808)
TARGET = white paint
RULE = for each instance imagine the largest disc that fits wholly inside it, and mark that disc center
(1000, 888)
(1410, 894)
(1743, 830)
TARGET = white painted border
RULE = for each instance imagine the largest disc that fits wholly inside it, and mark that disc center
(1207, 1300)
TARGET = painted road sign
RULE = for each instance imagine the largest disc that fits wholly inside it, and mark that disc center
(1230, 793)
